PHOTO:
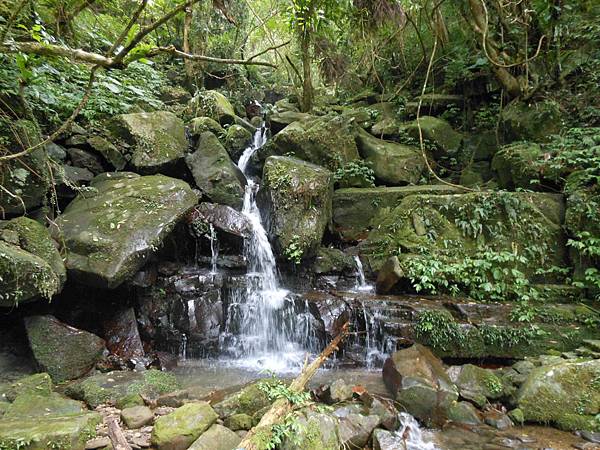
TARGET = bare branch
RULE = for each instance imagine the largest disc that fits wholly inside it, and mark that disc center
(173, 51)
(56, 50)
(274, 47)
(125, 31)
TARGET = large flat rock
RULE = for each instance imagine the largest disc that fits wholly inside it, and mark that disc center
(111, 233)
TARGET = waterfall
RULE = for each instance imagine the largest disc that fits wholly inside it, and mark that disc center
(361, 281)
(214, 250)
(261, 319)
(191, 309)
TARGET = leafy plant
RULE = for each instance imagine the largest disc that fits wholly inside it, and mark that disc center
(355, 173)
(294, 250)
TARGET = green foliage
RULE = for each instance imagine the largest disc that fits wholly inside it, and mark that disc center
(275, 389)
(355, 173)
(438, 329)
(294, 250)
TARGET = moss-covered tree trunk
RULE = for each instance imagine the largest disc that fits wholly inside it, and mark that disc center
(307, 86)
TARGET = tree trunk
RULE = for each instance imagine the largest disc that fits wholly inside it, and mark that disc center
(281, 407)
(307, 86)
(189, 65)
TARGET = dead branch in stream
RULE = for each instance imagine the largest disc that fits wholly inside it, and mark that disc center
(116, 435)
(282, 407)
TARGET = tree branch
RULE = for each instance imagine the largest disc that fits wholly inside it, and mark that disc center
(274, 47)
(173, 51)
(57, 50)
(125, 31)
(12, 18)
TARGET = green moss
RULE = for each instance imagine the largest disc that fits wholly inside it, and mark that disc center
(155, 382)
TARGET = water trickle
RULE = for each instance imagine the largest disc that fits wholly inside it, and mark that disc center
(261, 328)
(411, 435)
(183, 349)
(214, 250)
(191, 309)
(361, 281)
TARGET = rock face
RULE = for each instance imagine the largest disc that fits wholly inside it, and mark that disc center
(478, 384)
(212, 104)
(122, 335)
(237, 139)
(531, 122)
(200, 125)
(438, 132)
(418, 381)
(179, 429)
(297, 196)
(280, 120)
(112, 232)
(224, 218)
(566, 394)
(394, 164)
(30, 265)
(157, 139)
(214, 172)
(28, 178)
(217, 437)
(317, 431)
(514, 165)
(326, 141)
(109, 151)
(64, 352)
(249, 400)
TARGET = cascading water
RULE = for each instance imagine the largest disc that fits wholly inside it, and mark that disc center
(261, 323)
(411, 435)
(214, 250)
(361, 281)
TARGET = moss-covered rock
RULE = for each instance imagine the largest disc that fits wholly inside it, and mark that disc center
(237, 139)
(137, 416)
(217, 437)
(30, 265)
(478, 384)
(214, 172)
(108, 151)
(327, 141)
(354, 208)
(531, 121)
(179, 429)
(316, 431)
(437, 131)
(116, 387)
(111, 232)
(514, 165)
(36, 384)
(393, 164)
(248, 400)
(298, 198)
(64, 352)
(332, 260)
(35, 405)
(212, 104)
(27, 179)
(199, 125)
(280, 120)
(566, 394)
(238, 422)
(43, 433)
(463, 412)
(157, 139)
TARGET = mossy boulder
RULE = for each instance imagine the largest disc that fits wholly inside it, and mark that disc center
(212, 104)
(137, 416)
(108, 151)
(393, 164)
(463, 413)
(111, 232)
(237, 140)
(332, 260)
(156, 140)
(326, 141)
(280, 120)
(64, 352)
(199, 125)
(217, 437)
(180, 428)
(27, 179)
(297, 196)
(215, 173)
(531, 121)
(238, 422)
(30, 264)
(437, 131)
(122, 388)
(354, 208)
(36, 384)
(248, 400)
(53, 432)
(35, 405)
(515, 166)
(566, 394)
(478, 384)
(418, 381)
(316, 431)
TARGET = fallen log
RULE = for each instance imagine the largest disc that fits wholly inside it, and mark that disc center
(116, 435)
(262, 432)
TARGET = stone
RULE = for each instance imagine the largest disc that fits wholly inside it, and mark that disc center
(27, 179)
(355, 208)
(122, 388)
(112, 232)
(137, 416)
(386, 127)
(339, 391)
(212, 104)
(516, 415)
(389, 275)
(497, 420)
(30, 264)
(531, 121)
(332, 260)
(464, 412)
(418, 381)
(214, 172)
(437, 131)
(179, 429)
(591, 436)
(354, 427)
(62, 351)
(122, 335)
(565, 393)
(28, 405)
(317, 431)
(217, 437)
(280, 120)
(238, 422)
(514, 165)
(174, 95)
(289, 187)
(237, 139)
(225, 218)
(97, 443)
(249, 400)
(326, 141)
(109, 152)
(199, 125)
(394, 164)
(157, 139)
(85, 159)
(43, 433)
(69, 176)
(478, 384)
(385, 410)
(434, 104)
(56, 152)
(38, 384)
(385, 440)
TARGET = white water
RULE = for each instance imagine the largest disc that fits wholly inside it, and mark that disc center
(262, 320)
(191, 308)
(361, 281)
(214, 250)
(411, 434)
